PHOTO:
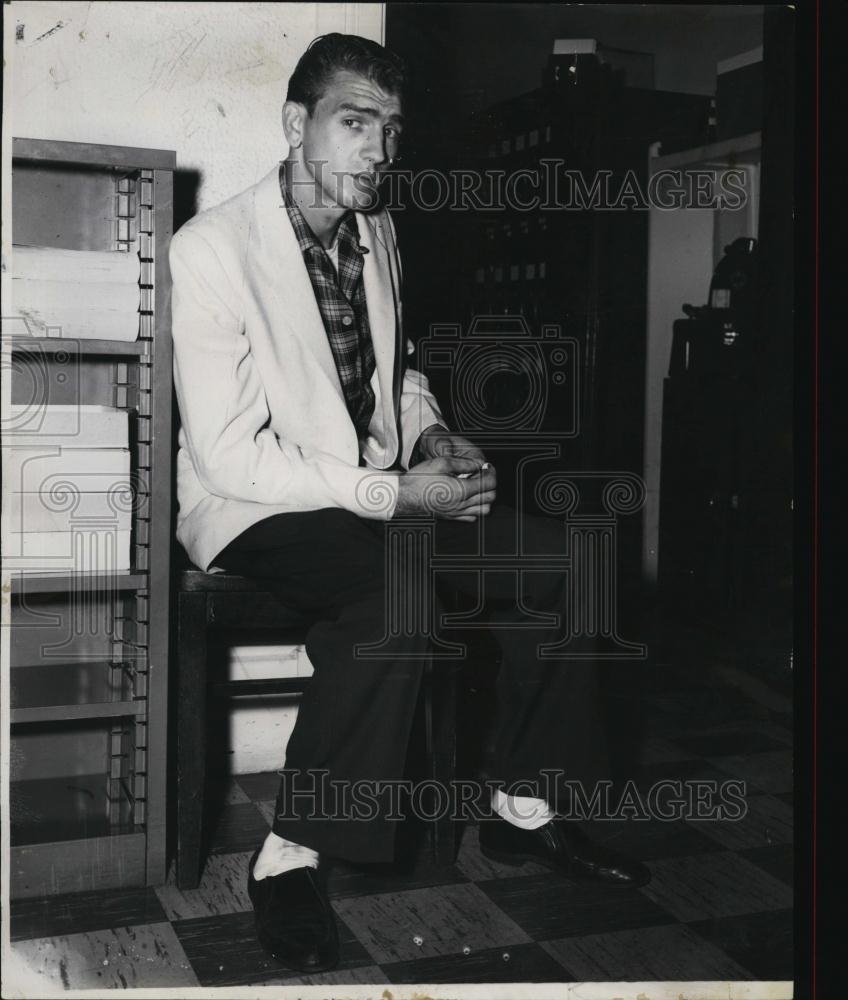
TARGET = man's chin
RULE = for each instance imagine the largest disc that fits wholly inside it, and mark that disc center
(363, 202)
(361, 194)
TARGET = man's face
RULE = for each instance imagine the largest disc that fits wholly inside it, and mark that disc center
(349, 140)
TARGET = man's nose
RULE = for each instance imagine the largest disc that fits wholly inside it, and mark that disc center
(375, 151)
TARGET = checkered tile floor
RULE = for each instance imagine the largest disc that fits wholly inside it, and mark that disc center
(718, 906)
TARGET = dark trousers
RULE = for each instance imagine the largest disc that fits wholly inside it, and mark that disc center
(355, 717)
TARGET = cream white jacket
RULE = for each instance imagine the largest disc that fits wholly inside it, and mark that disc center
(265, 428)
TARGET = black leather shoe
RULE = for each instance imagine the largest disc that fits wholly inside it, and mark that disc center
(294, 919)
(559, 845)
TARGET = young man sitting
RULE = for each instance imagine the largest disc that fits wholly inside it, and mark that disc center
(303, 433)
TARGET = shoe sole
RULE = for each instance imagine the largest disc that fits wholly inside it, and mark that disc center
(289, 964)
(517, 860)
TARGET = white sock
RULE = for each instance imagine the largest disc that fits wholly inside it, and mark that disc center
(279, 855)
(523, 811)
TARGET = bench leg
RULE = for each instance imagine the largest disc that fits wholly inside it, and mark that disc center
(440, 709)
(191, 735)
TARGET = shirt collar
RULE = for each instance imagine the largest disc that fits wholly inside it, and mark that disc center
(347, 232)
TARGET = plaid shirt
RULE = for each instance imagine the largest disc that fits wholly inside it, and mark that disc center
(341, 301)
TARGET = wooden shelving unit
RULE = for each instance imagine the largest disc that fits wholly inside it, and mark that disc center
(89, 648)
(92, 348)
(59, 692)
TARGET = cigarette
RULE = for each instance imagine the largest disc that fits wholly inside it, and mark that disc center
(465, 475)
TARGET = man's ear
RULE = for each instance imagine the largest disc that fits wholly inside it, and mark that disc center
(294, 116)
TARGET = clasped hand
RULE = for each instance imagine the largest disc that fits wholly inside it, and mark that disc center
(434, 486)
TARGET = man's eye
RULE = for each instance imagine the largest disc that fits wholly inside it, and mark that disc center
(391, 132)
(350, 122)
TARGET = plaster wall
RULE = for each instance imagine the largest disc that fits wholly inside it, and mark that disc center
(205, 79)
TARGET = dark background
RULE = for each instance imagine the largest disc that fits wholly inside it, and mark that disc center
(469, 63)
(466, 58)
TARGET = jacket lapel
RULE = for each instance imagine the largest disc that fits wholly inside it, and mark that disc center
(278, 265)
(380, 280)
(280, 277)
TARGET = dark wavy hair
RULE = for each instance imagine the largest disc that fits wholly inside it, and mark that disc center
(328, 54)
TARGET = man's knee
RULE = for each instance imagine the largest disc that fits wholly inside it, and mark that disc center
(350, 542)
(337, 519)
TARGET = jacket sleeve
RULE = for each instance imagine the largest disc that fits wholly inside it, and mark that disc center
(224, 412)
(418, 410)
